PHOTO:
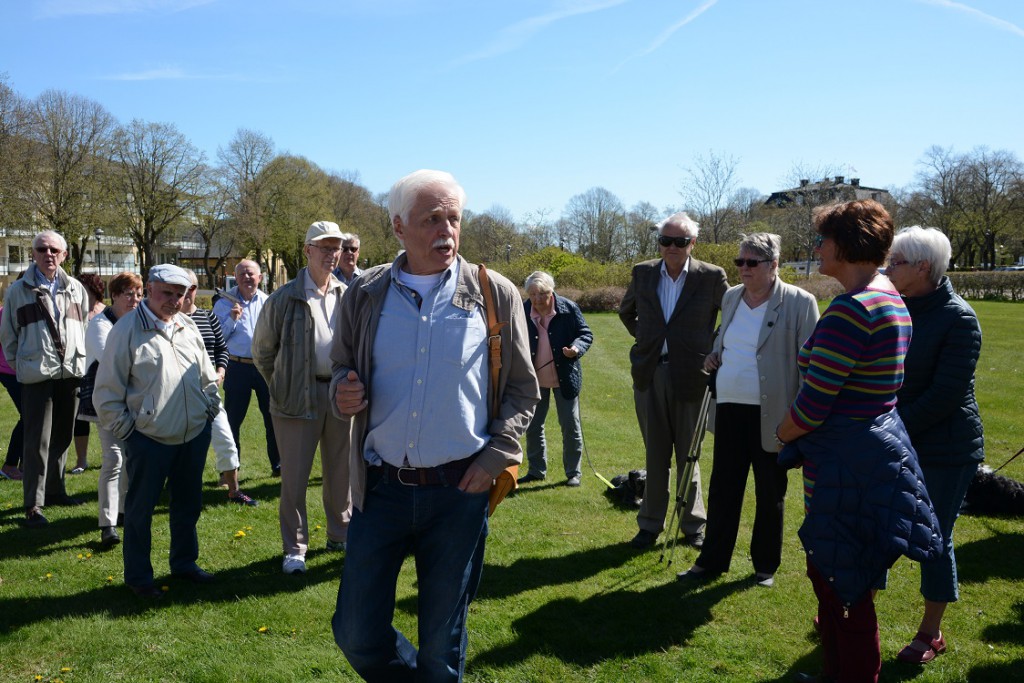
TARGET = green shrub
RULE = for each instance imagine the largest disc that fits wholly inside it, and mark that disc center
(989, 286)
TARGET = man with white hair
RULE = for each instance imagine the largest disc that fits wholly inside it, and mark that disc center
(670, 309)
(411, 373)
(43, 336)
(238, 311)
(347, 270)
(156, 390)
(292, 350)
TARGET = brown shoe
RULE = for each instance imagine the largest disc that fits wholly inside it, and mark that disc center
(11, 472)
(922, 649)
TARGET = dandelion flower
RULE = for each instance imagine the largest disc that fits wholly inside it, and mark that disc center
(88, 555)
(38, 677)
(65, 669)
(263, 629)
(80, 556)
(110, 578)
(165, 588)
(239, 534)
(49, 575)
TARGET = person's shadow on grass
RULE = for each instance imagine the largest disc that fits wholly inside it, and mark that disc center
(257, 579)
(622, 623)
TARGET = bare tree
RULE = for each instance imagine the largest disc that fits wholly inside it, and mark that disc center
(158, 179)
(213, 224)
(593, 223)
(242, 165)
(707, 191)
(639, 240)
(69, 145)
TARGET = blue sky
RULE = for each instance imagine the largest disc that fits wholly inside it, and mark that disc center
(529, 102)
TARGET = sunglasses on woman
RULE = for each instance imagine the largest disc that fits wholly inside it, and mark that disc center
(681, 242)
(750, 262)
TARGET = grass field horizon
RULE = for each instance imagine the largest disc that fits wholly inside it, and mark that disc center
(563, 598)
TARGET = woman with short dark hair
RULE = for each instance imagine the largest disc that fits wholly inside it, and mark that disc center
(864, 494)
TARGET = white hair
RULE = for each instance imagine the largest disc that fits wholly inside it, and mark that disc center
(404, 192)
(53, 234)
(917, 245)
(680, 220)
(349, 238)
(541, 281)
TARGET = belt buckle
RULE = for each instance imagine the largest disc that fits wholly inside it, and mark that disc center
(398, 476)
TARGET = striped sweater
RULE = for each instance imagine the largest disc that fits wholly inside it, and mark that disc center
(853, 361)
(213, 337)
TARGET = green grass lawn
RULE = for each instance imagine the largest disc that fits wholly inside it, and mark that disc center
(562, 598)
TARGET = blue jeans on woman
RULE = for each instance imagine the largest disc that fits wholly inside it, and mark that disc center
(572, 436)
(444, 530)
(947, 487)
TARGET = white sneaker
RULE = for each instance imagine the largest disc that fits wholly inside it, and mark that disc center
(294, 564)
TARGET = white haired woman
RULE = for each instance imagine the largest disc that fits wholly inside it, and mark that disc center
(764, 323)
(559, 336)
(938, 407)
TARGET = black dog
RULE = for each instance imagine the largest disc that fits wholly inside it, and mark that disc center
(993, 494)
(629, 489)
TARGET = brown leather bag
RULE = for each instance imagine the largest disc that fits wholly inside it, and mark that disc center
(507, 481)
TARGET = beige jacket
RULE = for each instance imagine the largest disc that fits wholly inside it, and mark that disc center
(165, 387)
(789, 320)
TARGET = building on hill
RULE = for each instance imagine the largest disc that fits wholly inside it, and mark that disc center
(826, 191)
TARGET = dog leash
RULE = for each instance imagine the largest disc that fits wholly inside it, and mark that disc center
(1008, 461)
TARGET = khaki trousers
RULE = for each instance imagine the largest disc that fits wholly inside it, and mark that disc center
(297, 440)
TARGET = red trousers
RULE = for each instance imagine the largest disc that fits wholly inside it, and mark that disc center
(849, 636)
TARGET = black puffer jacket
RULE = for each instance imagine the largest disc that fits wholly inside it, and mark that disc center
(937, 401)
(869, 504)
(567, 328)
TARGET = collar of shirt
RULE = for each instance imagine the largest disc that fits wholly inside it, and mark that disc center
(312, 288)
(157, 322)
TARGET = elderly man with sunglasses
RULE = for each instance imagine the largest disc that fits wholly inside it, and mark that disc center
(347, 270)
(670, 308)
(43, 337)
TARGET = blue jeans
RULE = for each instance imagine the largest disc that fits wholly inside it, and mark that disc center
(240, 381)
(572, 436)
(947, 487)
(445, 530)
(150, 465)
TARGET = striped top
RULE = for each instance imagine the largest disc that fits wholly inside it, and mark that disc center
(213, 337)
(852, 363)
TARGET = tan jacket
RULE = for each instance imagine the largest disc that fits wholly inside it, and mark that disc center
(517, 382)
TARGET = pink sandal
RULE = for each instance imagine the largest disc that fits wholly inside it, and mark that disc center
(929, 648)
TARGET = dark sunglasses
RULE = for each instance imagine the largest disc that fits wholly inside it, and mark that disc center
(681, 242)
(52, 250)
(819, 240)
(750, 262)
(350, 250)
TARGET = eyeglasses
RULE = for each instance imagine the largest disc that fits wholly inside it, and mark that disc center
(893, 264)
(327, 251)
(51, 250)
(750, 262)
(819, 240)
(132, 294)
(350, 250)
(681, 242)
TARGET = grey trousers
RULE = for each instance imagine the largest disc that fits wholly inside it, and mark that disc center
(666, 424)
(48, 410)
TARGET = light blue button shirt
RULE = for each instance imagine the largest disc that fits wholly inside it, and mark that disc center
(428, 402)
(238, 333)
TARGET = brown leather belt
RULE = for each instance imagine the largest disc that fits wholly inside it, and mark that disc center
(448, 474)
(239, 359)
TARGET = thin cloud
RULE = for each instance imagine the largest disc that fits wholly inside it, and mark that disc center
(977, 14)
(668, 33)
(52, 9)
(175, 73)
(515, 35)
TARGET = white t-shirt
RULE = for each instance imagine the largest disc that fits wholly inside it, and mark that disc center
(738, 381)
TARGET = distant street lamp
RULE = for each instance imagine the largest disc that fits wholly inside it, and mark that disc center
(508, 253)
(99, 253)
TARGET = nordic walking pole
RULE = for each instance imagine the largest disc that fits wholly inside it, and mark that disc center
(683, 479)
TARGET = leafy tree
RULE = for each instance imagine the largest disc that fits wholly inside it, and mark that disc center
(69, 141)
(296, 192)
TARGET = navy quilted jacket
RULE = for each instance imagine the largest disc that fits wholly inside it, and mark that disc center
(567, 328)
(869, 504)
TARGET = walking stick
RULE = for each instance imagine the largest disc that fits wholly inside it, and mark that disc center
(683, 478)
